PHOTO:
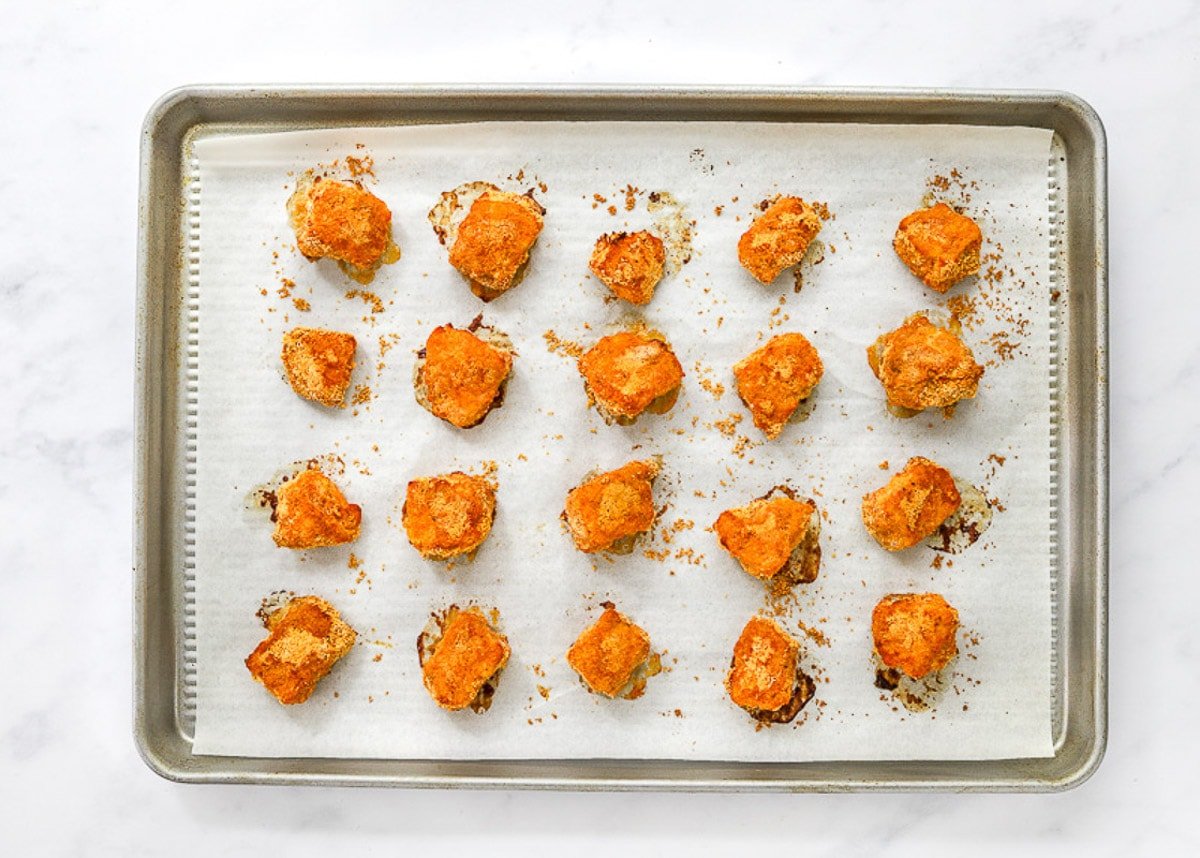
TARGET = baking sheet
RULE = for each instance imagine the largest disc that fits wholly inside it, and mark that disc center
(250, 426)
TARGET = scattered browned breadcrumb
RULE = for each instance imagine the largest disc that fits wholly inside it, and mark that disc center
(372, 300)
(883, 466)
(364, 166)
(612, 210)
(377, 657)
(728, 426)
(544, 691)
(353, 562)
(717, 210)
(559, 346)
(704, 374)
(302, 305)
(631, 195)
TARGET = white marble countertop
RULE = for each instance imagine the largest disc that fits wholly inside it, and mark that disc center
(75, 82)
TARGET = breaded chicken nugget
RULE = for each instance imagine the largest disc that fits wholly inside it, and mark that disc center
(608, 511)
(630, 373)
(343, 222)
(630, 264)
(765, 677)
(939, 245)
(915, 632)
(912, 505)
(778, 238)
(923, 366)
(774, 537)
(494, 240)
(312, 512)
(318, 364)
(306, 639)
(611, 656)
(461, 658)
(449, 515)
(774, 380)
(461, 374)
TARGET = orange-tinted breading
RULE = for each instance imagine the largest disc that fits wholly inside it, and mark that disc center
(778, 238)
(608, 654)
(469, 653)
(461, 376)
(612, 508)
(306, 637)
(939, 245)
(311, 512)
(341, 221)
(318, 364)
(763, 673)
(915, 632)
(630, 264)
(449, 515)
(763, 535)
(494, 241)
(775, 379)
(631, 372)
(912, 505)
(923, 366)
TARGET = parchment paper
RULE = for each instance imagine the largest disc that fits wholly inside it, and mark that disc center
(694, 601)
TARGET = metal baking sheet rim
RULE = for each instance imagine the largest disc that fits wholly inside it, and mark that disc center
(1082, 420)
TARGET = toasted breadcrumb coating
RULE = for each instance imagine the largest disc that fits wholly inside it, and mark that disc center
(448, 515)
(306, 637)
(340, 221)
(939, 245)
(311, 512)
(778, 238)
(915, 632)
(318, 364)
(630, 264)
(608, 654)
(762, 675)
(764, 535)
(468, 654)
(775, 379)
(631, 372)
(912, 505)
(462, 375)
(494, 240)
(606, 511)
(923, 366)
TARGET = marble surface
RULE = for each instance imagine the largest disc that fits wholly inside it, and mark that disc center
(75, 81)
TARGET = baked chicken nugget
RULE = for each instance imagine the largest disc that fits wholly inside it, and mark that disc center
(922, 365)
(461, 374)
(449, 515)
(306, 638)
(778, 238)
(630, 373)
(461, 657)
(774, 380)
(765, 677)
(343, 222)
(774, 538)
(608, 511)
(915, 632)
(914, 503)
(939, 245)
(612, 655)
(312, 512)
(630, 264)
(318, 364)
(494, 240)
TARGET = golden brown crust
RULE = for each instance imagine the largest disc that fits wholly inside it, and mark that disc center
(923, 366)
(461, 376)
(609, 508)
(318, 364)
(773, 380)
(631, 372)
(608, 653)
(340, 221)
(630, 264)
(763, 535)
(448, 515)
(305, 639)
(915, 632)
(762, 675)
(939, 245)
(468, 654)
(778, 238)
(311, 512)
(494, 241)
(912, 505)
